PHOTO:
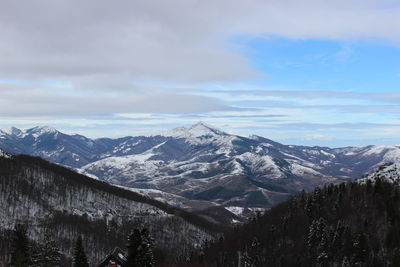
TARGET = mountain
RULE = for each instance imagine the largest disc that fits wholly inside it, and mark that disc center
(201, 163)
(57, 202)
(351, 224)
(389, 172)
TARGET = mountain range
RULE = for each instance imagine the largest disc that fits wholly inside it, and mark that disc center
(201, 165)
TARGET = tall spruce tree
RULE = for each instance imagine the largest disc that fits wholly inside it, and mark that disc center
(140, 249)
(20, 256)
(80, 259)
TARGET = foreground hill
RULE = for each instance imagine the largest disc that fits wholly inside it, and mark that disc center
(55, 201)
(202, 163)
(352, 224)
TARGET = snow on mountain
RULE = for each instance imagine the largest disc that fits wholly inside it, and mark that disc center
(389, 172)
(38, 131)
(13, 131)
(199, 133)
(197, 130)
(52, 199)
(202, 163)
(261, 164)
(172, 199)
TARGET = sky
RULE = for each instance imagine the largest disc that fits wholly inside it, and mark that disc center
(296, 71)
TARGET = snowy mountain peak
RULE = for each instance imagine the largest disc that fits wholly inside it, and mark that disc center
(197, 130)
(39, 130)
(12, 131)
(15, 131)
(204, 129)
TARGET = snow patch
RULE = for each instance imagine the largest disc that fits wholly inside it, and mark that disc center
(238, 211)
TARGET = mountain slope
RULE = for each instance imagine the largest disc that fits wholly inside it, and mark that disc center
(52, 199)
(389, 172)
(203, 163)
(349, 224)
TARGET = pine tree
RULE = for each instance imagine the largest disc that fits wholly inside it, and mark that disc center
(47, 254)
(140, 249)
(146, 258)
(20, 247)
(134, 241)
(80, 259)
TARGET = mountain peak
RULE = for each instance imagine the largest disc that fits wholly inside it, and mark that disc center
(195, 131)
(12, 131)
(39, 130)
(15, 131)
(201, 126)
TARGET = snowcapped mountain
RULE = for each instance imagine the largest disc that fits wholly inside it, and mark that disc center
(202, 163)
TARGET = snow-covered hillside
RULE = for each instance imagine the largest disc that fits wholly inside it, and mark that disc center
(202, 163)
(52, 199)
(389, 172)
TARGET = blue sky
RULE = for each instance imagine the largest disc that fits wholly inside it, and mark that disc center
(300, 72)
(311, 64)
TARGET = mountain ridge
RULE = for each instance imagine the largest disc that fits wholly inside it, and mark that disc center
(350, 224)
(202, 163)
(52, 199)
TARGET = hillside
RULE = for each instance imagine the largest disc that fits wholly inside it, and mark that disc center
(201, 163)
(352, 224)
(56, 201)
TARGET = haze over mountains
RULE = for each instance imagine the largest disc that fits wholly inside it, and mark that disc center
(201, 162)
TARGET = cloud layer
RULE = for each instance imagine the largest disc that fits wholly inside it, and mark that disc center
(97, 59)
(171, 40)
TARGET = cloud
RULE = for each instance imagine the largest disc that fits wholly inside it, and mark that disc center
(94, 60)
(330, 126)
(341, 101)
(153, 39)
(318, 137)
(54, 103)
(171, 40)
(389, 97)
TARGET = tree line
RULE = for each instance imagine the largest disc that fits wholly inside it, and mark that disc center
(344, 225)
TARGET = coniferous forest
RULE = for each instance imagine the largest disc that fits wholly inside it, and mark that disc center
(349, 224)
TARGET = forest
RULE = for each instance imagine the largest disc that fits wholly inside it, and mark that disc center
(350, 224)
(56, 203)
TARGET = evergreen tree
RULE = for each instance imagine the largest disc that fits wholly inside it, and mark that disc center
(145, 257)
(80, 259)
(134, 241)
(140, 249)
(47, 254)
(20, 247)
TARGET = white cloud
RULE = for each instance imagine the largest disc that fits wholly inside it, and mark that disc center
(170, 40)
(96, 58)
